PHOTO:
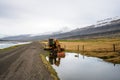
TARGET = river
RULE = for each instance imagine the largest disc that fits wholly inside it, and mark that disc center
(6, 44)
(77, 67)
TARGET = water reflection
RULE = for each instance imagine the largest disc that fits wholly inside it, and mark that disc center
(55, 57)
(54, 60)
(77, 67)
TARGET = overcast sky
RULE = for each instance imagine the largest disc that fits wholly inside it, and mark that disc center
(40, 16)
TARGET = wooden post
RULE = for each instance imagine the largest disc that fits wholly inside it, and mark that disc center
(83, 48)
(114, 48)
(78, 47)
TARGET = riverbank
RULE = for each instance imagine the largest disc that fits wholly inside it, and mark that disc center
(23, 63)
(112, 57)
(49, 67)
(107, 49)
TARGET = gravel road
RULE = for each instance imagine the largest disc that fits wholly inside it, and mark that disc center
(23, 63)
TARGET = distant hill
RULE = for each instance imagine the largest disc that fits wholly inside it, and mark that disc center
(109, 28)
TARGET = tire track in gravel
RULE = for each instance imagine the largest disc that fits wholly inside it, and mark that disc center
(7, 60)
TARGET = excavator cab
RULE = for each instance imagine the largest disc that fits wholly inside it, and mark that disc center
(55, 47)
(51, 42)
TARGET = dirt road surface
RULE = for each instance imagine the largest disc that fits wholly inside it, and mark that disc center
(23, 63)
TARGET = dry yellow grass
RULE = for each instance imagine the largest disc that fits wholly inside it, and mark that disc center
(92, 45)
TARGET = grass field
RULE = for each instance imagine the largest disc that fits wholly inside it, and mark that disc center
(105, 48)
(99, 45)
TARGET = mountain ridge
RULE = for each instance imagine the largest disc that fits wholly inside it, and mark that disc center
(109, 29)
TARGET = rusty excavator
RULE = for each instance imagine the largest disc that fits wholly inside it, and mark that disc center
(55, 50)
(54, 45)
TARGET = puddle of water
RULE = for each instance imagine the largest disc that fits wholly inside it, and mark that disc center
(77, 67)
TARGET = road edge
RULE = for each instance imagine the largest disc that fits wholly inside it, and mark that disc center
(52, 71)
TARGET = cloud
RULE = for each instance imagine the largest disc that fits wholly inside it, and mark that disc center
(39, 16)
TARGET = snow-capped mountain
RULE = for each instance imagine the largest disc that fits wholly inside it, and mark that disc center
(107, 21)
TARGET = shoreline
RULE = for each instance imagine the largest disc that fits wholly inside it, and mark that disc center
(112, 57)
